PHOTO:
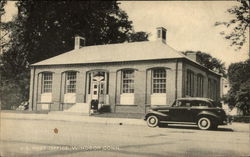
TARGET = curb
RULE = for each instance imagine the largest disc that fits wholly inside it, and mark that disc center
(74, 118)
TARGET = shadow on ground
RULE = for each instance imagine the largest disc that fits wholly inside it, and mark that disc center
(171, 126)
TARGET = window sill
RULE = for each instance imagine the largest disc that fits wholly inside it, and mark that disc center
(126, 105)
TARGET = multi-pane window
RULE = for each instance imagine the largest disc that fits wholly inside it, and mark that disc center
(47, 83)
(200, 85)
(212, 89)
(128, 81)
(159, 33)
(190, 83)
(209, 88)
(71, 82)
(159, 81)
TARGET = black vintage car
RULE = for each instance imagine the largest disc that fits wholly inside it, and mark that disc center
(203, 112)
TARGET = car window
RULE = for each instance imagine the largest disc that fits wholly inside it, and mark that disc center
(203, 103)
(183, 103)
(195, 103)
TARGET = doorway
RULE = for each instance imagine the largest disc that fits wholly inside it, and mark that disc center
(98, 87)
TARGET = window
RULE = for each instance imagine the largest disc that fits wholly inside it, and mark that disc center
(163, 34)
(159, 81)
(190, 83)
(128, 81)
(89, 88)
(159, 33)
(184, 103)
(70, 82)
(212, 89)
(200, 85)
(47, 83)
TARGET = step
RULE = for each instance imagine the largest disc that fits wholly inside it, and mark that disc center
(79, 108)
(68, 113)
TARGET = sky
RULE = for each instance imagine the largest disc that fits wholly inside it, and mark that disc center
(189, 24)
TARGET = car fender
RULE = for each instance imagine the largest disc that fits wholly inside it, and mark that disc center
(152, 112)
(207, 113)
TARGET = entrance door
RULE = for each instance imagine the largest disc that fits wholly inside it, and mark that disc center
(95, 90)
(98, 91)
(98, 87)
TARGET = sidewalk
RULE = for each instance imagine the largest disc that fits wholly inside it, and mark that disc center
(71, 118)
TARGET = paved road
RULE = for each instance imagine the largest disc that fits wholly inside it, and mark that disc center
(26, 138)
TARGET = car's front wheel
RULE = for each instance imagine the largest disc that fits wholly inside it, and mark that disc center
(204, 123)
(152, 121)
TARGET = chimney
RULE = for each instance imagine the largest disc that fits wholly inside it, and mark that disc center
(79, 42)
(161, 34)
(193, 55)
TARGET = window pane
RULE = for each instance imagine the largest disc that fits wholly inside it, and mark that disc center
(70, 82)
(190, 83)
(128, 81)
(159, 81)
(47, 83)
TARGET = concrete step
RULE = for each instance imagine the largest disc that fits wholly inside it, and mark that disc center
(68, 113)
(79, 108)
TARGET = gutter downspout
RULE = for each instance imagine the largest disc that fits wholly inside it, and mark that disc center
(116, 75)
(176, 78)
(33, 86)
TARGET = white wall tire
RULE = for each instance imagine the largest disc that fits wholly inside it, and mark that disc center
(152, 121)
(204, 123)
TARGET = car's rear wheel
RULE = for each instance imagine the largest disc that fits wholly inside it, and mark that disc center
(204, 123)
(152, 121)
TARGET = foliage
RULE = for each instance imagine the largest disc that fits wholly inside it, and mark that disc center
(239, 78)
(209, 62)
(239, 24)
(138, 36)
(43, 29)
(2, 4)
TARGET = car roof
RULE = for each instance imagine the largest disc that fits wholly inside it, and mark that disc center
(195, 98)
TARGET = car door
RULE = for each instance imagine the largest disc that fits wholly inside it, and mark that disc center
(180, 112)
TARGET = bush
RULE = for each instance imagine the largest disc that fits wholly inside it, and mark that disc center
(243, 119)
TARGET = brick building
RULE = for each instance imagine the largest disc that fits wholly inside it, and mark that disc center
(127, 77)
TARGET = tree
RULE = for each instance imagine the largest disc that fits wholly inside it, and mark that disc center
(138, 36)
(209, 62)
(239, 24)
(2, 11)
(43, 29)
(2, 4)
(239, 79)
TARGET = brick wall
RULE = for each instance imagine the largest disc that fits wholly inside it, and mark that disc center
(175, 84)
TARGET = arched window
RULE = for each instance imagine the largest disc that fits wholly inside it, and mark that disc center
(200, 85)
(159, 80)
(212, 89)
(47, 82)
(190, 83)
(71, 82)
(127, 81)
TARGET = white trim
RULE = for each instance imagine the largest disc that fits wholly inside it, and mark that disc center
(127, 99)
(158, 99)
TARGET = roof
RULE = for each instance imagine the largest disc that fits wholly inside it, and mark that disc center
(135, 51)
(196, 98)
(146, 50)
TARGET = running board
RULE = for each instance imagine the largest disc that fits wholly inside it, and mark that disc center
(173, 122)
